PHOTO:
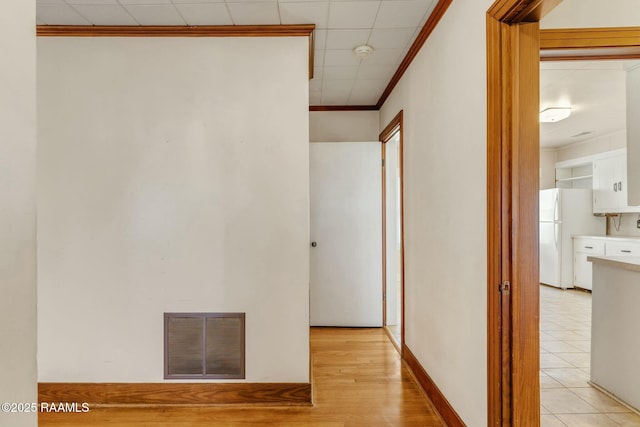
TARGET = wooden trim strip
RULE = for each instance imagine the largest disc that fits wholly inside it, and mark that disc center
(394, 126)
(343, 108)
(427, 29)
(442, 405)
(177, 393)
(592, 38)
(495, 73)
(302, 30)
(174, 30)
(590, 43)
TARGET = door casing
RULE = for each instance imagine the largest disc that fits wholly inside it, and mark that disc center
(394, 126)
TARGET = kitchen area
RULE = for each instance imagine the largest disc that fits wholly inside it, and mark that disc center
(590, 242)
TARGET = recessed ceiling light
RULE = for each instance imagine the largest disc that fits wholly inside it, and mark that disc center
(554, 114)
(363, 51)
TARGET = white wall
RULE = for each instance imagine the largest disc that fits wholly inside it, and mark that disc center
(593, 13)
(18, 209)
(444, 100)
(592, 146)
(170, 180)
(343, 126)
(548, 159)
(626, 225)
(633, 140)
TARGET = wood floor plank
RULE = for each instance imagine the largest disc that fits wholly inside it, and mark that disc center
(358, 380)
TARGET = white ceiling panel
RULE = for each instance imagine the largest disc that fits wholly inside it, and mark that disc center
(346, 39)
(368, 71)
(205, 13)
(315, 85)
(320, 38)
(371, 86)
(197, 1)
(264, 13)
(50, 2)
(105, 14)
(353, 15)
(304, 13)
(318, 73)
(340, 72)
(59, 14)
(252, 1)
(112, 2)
(315, 98)
(334, 98)
(335, 58)
(318, 58)
(156, 14)
(385, 57)
(148, 2)
(364, 98)
(401, 13)
(337, 85)
(391, 38)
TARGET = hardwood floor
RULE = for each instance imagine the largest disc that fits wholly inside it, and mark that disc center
(358, 380)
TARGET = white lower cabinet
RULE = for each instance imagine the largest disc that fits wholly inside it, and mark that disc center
(584, 247)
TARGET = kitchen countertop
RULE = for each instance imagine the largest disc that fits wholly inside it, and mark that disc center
(627, 263)
(619, 238)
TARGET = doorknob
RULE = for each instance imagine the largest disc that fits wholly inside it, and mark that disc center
(314, 244)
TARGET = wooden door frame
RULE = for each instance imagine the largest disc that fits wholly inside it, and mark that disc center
(394, 126)
(514, 45)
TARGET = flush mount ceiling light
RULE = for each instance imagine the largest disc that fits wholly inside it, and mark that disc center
(554, 114)
(363, 51)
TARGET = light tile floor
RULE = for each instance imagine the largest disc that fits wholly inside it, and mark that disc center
(566, 397)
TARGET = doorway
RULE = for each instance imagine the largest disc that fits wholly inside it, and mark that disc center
(393, 231)
(513, 54)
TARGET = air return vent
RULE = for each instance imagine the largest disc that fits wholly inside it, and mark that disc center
(204, 345)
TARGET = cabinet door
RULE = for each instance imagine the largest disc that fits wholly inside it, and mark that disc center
(610, 185)
(605, 185)
(621, 176)
(582, 270)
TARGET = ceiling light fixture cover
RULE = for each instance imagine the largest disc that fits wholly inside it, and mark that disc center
(554, 114)
(363, 51)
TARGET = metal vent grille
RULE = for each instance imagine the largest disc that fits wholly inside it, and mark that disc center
(204, 345)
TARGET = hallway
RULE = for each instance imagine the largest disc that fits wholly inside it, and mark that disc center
(358, 380)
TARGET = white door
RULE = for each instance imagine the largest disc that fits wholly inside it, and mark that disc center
(346, 231)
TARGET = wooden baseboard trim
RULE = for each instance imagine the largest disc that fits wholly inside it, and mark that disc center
(285, 394)
(442, 405)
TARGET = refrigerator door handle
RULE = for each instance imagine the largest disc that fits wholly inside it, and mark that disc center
(555, 233)
(555, 207)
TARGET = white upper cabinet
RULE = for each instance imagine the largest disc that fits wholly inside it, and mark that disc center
(608, 184)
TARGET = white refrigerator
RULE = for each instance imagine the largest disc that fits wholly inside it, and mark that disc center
(564, 212)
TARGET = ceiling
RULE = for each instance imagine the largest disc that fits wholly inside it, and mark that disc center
(340, 78)
(596, 93)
